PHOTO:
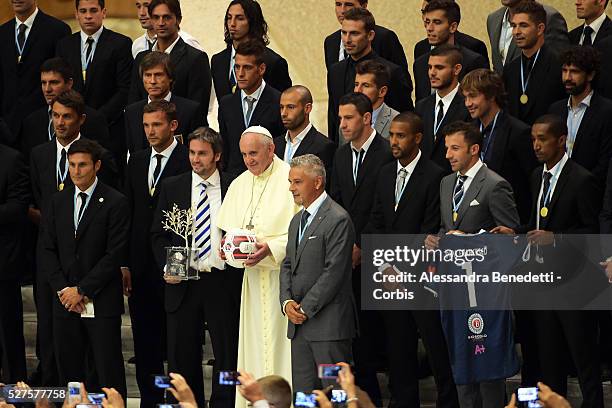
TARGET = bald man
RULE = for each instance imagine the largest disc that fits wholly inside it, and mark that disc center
(301, 137)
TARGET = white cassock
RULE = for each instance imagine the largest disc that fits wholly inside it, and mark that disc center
(263, 347)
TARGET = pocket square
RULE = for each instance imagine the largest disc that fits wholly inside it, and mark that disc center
(474, 203)
(312, 237)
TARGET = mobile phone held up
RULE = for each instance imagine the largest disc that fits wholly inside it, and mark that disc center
(304, 400)
(162, 381)
(229, 377)
(527, 397)
(329, 371)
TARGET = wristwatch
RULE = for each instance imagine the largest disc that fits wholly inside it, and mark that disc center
(80, 291)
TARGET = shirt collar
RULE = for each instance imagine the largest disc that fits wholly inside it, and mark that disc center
(29, 21)
(89, 191)
(300, 136)
(213, 180)
(166, 98)
(597, 23)
(448, 99)
(557, 168)
(167, 151)
(471, 173)
(60, 146)
(233, 52)
(170, 48)
(95, 36)
(268, 172)
(316, 204)
(147, 38)
(411, 166)
(255, 94)
(367, 143)
(585, 102)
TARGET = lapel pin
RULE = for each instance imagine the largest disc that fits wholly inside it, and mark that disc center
(101, 199)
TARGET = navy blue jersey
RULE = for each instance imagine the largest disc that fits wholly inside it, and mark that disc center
(480, 341)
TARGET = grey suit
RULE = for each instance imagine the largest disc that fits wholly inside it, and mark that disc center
(316, 273)
(383, 122)
(487, 203)
(555, 36)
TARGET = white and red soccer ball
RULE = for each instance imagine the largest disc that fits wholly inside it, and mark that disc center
(237, 245)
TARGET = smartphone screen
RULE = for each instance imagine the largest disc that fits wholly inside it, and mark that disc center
(229, 377)
(162, 381)
(338, 396)
(305, 400)
(528, 397)
(329, 371)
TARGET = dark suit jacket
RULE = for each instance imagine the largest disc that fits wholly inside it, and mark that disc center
(418, 211)
(544, 87)
(20, 83)
(175, 190)
(605, 218)
(555, 36)
(593, 146)
(231, 123)
(14, 200)
(604, 31)
(358, 199)
(90, 257)
(574, 206)
(191, 75)
(603, 81)
(398, 98)
(108, 74)
(43, 172)
(386, 44)
(317, 274)
(510, 154)
(422, 88)
(436, 149)
(314, 143)
(35, 129)
(142, 206)
(461, 39)
(276, 75)
(189, 115)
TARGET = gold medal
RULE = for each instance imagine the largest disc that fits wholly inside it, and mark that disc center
(60, 187)
(234, 89)
(84, 72)
(544, 212)
(524, 99)
(152, 191)
(19, 59)
(455, 215)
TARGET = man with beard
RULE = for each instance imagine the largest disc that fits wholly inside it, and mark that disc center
(301, 137)
(588, 114)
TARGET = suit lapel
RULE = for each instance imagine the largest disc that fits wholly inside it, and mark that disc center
(499, 143)
(95, 203)
(585, 126)
(383, 118)
(471, 192)
(312, 228)
(497, 30)
(74, 59)
(368, 162)
(304, 146)
(411, 186)
(178, 52)
(35, 32)
(563, 178)
(262, 106)
(99, 55)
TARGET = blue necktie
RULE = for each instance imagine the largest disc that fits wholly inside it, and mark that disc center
(202, 229)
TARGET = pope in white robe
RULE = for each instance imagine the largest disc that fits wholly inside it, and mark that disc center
(259, 200)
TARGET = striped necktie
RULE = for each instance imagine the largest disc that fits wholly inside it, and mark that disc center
(202, 229)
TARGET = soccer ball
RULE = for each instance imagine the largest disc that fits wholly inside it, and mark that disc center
(237, 245)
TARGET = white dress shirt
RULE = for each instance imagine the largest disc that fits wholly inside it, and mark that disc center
(574, 119)
(213, 190)
(140, 44)
(409, 170)
(170, 48)
(471, 173)
(84, 37)
(78, 202)
(165, 98)
(153, 162)
(447, 100)
(556, 172)
(58, 155)
(596, 26)
(28, 23)
(256, 95)
(341, 52)
(505, 37)
(291, 147)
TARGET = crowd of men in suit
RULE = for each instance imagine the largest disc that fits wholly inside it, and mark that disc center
(86, 115)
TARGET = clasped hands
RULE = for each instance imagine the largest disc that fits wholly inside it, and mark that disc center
(70, 298)
(294, 312)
